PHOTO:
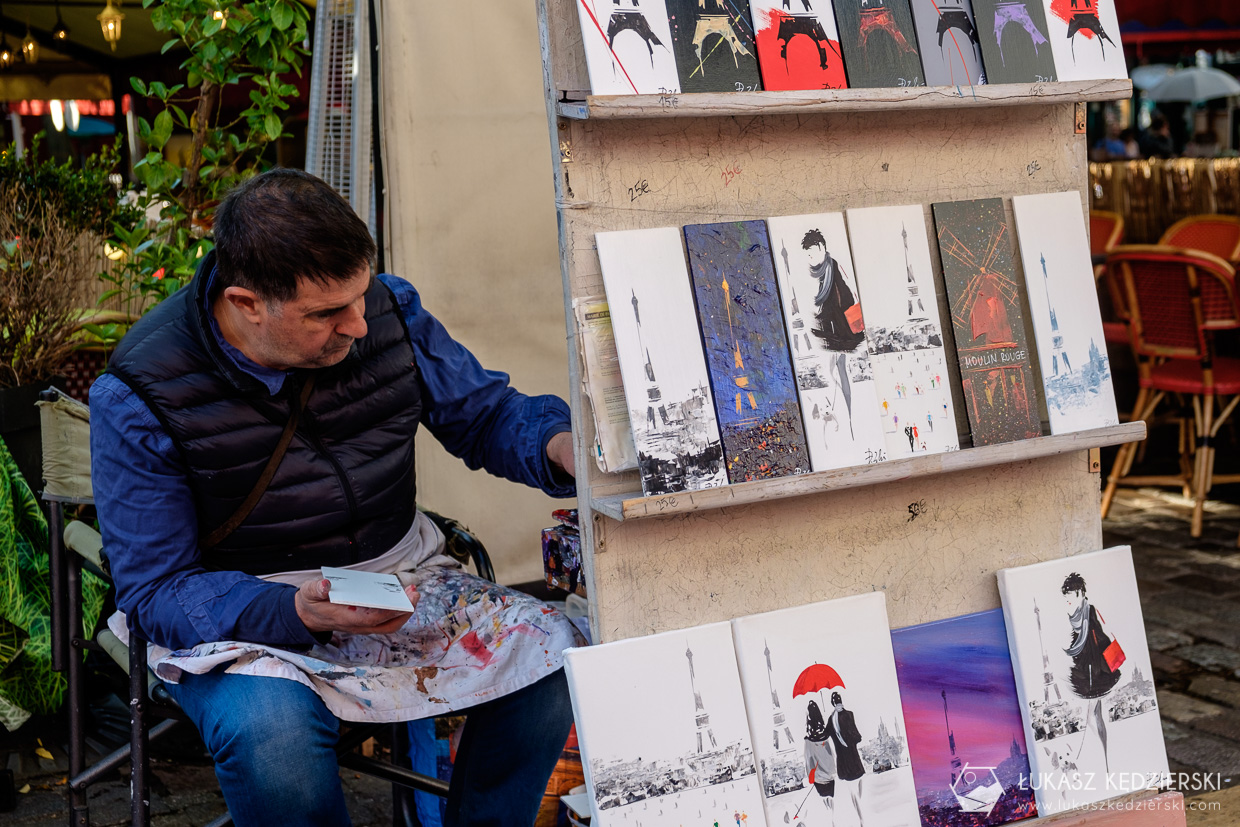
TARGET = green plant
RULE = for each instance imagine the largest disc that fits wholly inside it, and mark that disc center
(53, 219)
(254, 44)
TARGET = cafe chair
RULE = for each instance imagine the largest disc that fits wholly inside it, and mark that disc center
(1216, 234)
(1176, 299)
(1106, 232)
(76, 547)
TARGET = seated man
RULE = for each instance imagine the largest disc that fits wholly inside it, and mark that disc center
(260, 424)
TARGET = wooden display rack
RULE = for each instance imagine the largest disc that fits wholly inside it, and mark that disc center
(930, 531)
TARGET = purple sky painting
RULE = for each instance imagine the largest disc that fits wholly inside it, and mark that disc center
(966, 657)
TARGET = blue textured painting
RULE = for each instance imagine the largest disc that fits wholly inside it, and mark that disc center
(746, 350)
(965, 735)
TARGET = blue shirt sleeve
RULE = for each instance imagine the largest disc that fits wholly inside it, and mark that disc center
(150, 535)
(474, 412)
(149, 523)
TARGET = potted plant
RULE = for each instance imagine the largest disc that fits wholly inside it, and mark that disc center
(254, 45)
(53, 222)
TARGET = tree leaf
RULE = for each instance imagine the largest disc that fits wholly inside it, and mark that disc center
(161, 130)
(271, 126)
(282, 15)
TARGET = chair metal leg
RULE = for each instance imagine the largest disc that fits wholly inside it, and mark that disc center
(79, 816)
(139, 761)
(404, 807)
(56, 570)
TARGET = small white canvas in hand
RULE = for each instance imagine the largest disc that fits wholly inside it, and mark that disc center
(368, 589)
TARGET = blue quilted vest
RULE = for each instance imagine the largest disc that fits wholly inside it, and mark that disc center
(345, 489)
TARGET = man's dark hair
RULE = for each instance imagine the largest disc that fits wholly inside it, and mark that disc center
(1073, 583)
(836, 700)
(286, 225)
(813, 239)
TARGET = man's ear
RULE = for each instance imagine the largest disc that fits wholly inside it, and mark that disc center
(247, 303)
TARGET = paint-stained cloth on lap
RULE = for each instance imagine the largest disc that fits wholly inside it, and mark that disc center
(469, 641)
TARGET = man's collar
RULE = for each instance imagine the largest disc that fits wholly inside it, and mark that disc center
(270, 378)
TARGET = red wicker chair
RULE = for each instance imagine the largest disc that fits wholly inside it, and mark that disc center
(1174, 299)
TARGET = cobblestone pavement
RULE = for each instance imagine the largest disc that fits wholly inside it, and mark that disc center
(1190, 592)
(1190, 597)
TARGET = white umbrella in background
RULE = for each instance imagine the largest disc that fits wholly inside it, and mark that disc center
(1148, 76)
(1195, 84)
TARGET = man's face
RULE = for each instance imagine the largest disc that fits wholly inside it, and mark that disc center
(316, 328)
(817, 255)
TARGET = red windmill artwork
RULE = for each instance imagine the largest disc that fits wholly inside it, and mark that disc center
(986, 299)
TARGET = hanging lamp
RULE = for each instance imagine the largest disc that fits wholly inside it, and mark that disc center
(30, 46)
(110, 20)
(60, 31)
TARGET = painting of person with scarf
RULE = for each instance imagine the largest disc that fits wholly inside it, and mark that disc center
(836, 309)
(1096, 659)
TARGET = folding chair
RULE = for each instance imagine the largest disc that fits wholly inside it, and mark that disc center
(1175, 300)
(66, 449)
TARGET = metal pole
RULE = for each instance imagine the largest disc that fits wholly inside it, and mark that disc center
(139, 789)
(79, 816)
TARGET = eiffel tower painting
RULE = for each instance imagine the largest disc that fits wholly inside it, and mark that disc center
(714, 45)
(747, 353)
(701, 718)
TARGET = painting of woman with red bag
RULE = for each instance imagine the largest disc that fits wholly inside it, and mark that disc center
(1096, 659)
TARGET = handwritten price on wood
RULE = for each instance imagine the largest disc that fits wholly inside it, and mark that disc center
(729, 173)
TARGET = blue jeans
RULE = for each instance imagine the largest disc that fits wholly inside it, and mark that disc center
(273, 743)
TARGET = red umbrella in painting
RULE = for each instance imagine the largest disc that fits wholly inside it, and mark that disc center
(815, 679)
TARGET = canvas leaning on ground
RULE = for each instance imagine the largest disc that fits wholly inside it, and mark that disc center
(661, 361)
(822, 315)
(1084, 678)
(662, 729)
(824, 711)
(1063, 304)
(965, 733)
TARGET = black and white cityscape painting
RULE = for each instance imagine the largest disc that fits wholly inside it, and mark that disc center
(663, 733)
(661, 360)
(900, 301)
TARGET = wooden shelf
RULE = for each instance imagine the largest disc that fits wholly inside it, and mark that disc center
(707, 104)
(634, 506)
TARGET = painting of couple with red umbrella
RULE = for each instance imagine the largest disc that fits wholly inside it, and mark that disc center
(824, 715)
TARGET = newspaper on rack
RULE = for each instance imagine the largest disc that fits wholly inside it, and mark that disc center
(613, 435)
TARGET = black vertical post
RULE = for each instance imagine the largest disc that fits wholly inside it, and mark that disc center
(56, 566)
(78, 813)
(139, 764)
(376, 122)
